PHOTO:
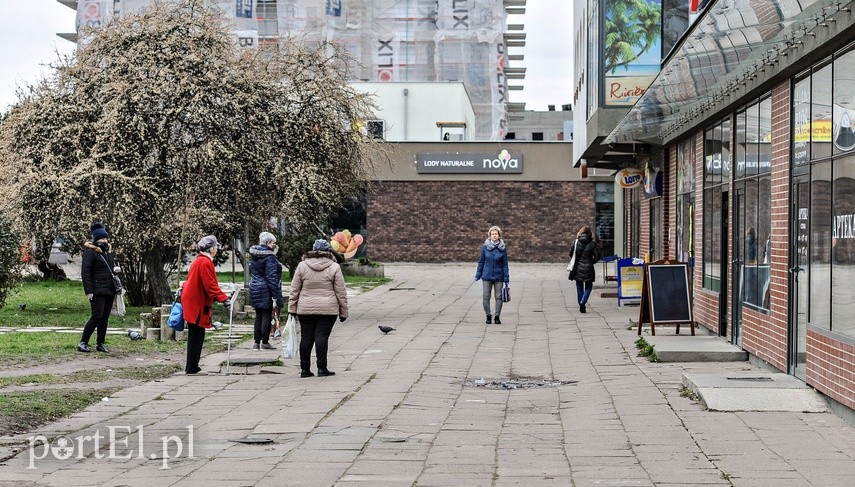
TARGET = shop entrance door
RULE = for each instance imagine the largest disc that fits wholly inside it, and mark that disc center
(722, 305)
(799, 275)
(736, 265)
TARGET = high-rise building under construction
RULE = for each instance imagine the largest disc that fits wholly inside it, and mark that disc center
(390, 40)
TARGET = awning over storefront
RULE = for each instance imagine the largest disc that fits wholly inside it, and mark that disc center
(737, 44)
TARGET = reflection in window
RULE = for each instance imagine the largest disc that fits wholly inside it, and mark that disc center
(820, 112)
(843, 111)
(820, 245)
(716, 165)
(686, 203)
(843, 247)
(752, 236)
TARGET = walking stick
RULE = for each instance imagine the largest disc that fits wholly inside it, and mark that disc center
(231, 317)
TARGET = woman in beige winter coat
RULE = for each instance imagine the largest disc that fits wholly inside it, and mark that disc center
(317, 296)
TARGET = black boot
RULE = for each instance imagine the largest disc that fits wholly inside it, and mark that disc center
(83, 347)
(497, 320)
(582, 308)
(306, 373)
(489, 319)
(101, 348)
(325, 373)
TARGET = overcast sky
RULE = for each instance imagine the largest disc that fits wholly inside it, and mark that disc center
(29, 42)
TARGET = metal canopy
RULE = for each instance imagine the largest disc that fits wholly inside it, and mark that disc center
(726, 50)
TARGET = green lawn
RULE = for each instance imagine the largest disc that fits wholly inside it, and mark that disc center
(51, 303)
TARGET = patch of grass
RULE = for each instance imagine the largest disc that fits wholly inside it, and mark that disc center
(143, 373)
(688, 393)
(52, 303)
(646, 350)
(17, 347)
(23, 411)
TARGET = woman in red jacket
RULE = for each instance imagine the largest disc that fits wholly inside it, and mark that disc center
(198, 294)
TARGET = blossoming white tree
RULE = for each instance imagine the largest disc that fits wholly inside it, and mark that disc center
(161, 128)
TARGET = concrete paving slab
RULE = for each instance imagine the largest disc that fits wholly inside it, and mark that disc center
(687, 348)
(400, 401)
(754, 392)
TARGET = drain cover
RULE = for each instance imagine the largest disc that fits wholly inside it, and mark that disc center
(509, 384)
(752, 379)
(254, 440)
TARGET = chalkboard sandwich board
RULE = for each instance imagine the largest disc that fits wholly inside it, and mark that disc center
(666, 297)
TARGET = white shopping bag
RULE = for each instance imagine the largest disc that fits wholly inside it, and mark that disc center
(119, 305)
(289, 338)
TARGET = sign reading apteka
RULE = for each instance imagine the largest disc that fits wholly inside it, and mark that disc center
(503, 162)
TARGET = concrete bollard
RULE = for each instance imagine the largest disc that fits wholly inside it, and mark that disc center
(152, 334)
(145, 322)
(155, 318)
(167, 334)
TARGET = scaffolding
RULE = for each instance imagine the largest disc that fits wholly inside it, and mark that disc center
(390, 40)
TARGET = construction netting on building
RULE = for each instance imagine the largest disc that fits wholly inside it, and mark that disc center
(391, 40)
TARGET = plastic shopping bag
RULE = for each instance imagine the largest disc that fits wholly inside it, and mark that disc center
(289, 338)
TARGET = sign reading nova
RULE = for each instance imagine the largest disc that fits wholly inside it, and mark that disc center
(502, 162)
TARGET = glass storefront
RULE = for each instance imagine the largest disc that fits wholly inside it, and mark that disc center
(823, 154)
(716, 180)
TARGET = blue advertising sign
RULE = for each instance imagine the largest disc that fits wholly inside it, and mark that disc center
(630, 278)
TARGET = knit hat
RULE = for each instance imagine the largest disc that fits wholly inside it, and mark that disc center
(265, 237)
(207, 242)
(322, 245)
(98, 232)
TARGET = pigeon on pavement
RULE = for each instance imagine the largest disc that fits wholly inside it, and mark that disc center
(385, 329)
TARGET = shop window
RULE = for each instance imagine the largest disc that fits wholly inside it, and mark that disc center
(686, 202)
(820, 245)
(753, 203)
(843, 111)
(537, 136)
(843, 247)
(716, 178)
(604, 200)
(820, 109)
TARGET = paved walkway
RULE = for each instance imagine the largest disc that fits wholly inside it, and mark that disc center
(400, 411)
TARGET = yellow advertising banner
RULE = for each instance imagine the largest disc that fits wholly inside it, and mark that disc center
(818, 130)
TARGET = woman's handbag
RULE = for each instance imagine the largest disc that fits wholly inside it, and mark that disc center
(119, 309)
(572, 265)
(289, 338)
(506, 293)
(176, 313)
(117, 283)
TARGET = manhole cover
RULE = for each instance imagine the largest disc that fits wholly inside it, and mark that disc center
(516, 383)
(752, 379)
(254, 440)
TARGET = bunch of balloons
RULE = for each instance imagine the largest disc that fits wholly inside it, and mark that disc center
(345, 243)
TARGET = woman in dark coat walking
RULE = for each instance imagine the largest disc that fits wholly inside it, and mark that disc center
(265, 290)
(97, 274)
(587, 252)
(493, 269)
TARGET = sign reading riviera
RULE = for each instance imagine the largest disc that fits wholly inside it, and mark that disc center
(502, 163)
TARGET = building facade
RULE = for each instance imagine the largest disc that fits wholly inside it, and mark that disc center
(748, 126)
(435, 201)
(390, 40)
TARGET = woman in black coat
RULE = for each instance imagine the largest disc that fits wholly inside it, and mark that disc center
(587, 252)
(97, 274)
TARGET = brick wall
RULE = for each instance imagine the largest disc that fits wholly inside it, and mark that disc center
(705, 301)
(765, 335)
(831, 367)
(447, 221)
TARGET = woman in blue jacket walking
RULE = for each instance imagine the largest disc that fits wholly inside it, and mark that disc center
(493, 269)
(265, 289)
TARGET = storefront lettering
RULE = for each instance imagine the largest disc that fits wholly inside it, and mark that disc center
(618, 92)
(843, 226)
(503, 163)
